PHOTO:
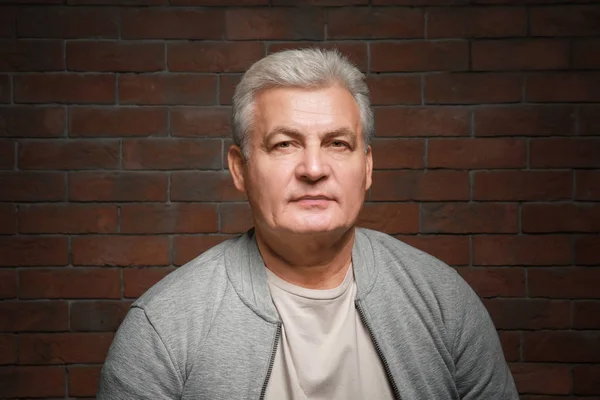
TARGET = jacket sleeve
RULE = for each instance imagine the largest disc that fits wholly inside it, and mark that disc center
(138, 365)
(481, 371)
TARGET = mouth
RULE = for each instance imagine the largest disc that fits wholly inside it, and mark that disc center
(313, 201)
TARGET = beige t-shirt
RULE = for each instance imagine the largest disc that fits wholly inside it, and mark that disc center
(325, 351)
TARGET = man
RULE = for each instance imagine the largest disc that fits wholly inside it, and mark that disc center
(305, 305)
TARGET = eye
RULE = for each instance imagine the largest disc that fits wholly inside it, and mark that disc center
(339, 143)
(283, 145)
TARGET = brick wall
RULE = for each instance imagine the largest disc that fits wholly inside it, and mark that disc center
(114, 124)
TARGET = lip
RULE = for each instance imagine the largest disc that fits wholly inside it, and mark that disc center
(313, 198)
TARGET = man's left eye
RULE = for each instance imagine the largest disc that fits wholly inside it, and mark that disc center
(338, 143)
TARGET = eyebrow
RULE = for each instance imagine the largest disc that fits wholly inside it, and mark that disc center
(296, 134)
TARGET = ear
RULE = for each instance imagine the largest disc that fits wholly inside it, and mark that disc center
(369, 161)
(235, 159)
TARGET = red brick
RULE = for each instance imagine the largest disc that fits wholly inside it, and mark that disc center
(586, 54)
(563, 87)
(587, 185)
(227, 84)
(521, 250)
(17, 382)
(5, 89)
(586, 314)
(200, 122)
(32, 121)
(542, 378)
(169, 218)
(356, 52)
(32, 316)
(204, 186)
(68, 22)
(63, 348)
(570, 282)
(589, 120)
(33, 251)
(398, 153)
(422, 121)
(64, 88)
(522, 185)
(213, 57)
(454, 250)
(586, 250)
(585, 379)
(469, 218)
(511, 344)
(394, 89)
(7, 22)
(420, 185)
(390, 218)
(8, 288)
(118, 121)
(121, 56)
(79, 154)
(564, 153)
(565, 21)
(83, 380)
(186, 248)
(274, 24)
(495, 282)
(548, 218)
(8, 349)
(420, 56)
(561, 346)
(461, 22)
(31, 55)
(8, 219)
(375, 23)
(121, 250)
(117, 186)
(172, 154)
(178, 89)
(525, 121)
(70, 283)
(137, 280)
(68, 218)
(476, 153)
(7, 154)
(529, 54)
(32, 186)
(101, 316)
(529, 313)
(235, 217)
(463, 88)
(171, 23)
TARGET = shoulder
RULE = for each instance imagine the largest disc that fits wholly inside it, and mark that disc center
(394, 256)
(418, 277)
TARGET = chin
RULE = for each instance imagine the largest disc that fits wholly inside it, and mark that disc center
(314, 224)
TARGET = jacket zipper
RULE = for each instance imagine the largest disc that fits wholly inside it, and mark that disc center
(386, 366)
(271, 362)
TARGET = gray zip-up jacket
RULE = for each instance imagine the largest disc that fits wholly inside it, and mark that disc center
(209, 330)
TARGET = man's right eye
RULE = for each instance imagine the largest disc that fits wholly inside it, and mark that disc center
(283, 145)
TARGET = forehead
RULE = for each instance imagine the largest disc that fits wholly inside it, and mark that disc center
(310, 110)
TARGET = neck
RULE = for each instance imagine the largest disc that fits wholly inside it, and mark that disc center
(310, 261)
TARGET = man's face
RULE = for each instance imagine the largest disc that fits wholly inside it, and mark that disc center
(308, 170)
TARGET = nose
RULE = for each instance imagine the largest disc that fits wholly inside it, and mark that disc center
(313, 165)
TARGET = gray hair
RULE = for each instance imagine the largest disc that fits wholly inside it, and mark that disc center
(304, 68)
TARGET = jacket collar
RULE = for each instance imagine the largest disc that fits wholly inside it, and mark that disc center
(246, 272)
